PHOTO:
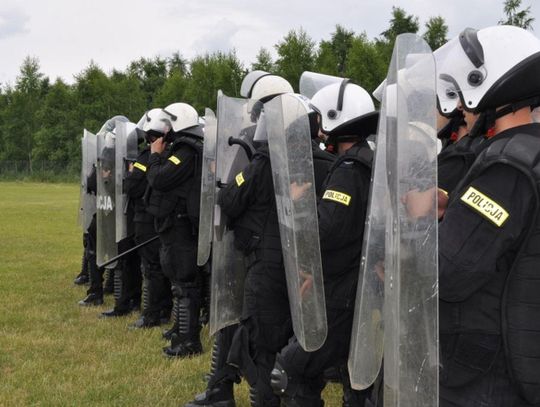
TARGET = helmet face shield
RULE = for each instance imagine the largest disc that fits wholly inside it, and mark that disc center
(457, 77)
(312, 82)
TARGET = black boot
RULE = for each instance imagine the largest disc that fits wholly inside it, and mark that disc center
(83, 277)
(219, 392)
(91, 299)
(186, 342)
(146, 320)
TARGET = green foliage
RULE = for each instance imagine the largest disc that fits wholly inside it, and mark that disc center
(332, 55)
(296, 54)
(400, 23)
(212, 72)
(436, 32)
(263, 61)
(366, 65)
(514, 16)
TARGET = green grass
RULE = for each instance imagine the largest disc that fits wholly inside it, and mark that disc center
(55, 353)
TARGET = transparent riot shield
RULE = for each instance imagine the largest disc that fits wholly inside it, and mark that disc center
(411, 267)
(208, 188)
(126, 151)
(105, 200)
(228, 264)
(87, 202)
(366, 349)
(312, 82)
(289, 140)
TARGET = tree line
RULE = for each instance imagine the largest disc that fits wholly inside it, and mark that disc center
(43, 121)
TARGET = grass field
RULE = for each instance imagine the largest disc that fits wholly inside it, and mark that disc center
(55, 353)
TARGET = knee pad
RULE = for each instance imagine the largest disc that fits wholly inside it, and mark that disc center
(280, 381)
(183, 290)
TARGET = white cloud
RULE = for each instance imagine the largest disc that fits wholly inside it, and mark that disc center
(66, 34)
(13, 22)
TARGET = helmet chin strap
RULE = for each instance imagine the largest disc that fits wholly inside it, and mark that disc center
(486, 120)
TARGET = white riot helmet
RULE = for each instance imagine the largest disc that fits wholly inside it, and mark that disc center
(492, 67)
(153, 125)
(345, 110)
(268, 86)
(183, 118)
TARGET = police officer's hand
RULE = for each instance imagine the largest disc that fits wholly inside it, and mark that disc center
(442, 202)
(305, 288)
(418, 203)
(130, 167)
(379, 270)
(299, 190)
(157, 146)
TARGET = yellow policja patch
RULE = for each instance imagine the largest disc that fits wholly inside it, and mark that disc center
(485, 206)
(338, 197)
(140, 166)
(174, 159)
(240, 179)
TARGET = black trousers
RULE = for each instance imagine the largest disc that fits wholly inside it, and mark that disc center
(265, 327)
(95, 274)
(129, 277)
(158, 287)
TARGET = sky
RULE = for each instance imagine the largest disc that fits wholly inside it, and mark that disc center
(67, 34)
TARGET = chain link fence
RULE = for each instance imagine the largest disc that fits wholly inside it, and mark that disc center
(46, 171)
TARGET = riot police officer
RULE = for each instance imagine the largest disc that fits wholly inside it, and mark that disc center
(173, 173)
(348, 117)
(156, 296)
(488, 256)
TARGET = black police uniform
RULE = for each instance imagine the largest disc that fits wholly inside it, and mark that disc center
(157, 297)
(342, 209)
(488, 284)
(173, 179)
(250, 204)
(95, 291)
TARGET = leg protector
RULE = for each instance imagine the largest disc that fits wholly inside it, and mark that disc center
(145, 297)
(117, 281)
(108, 285)
(186, 341)
(175, 315)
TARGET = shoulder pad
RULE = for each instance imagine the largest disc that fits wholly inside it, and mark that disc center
(195, 144)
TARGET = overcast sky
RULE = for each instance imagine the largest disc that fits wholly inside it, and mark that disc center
(66, 34)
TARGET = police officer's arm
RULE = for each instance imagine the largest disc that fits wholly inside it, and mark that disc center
(485, 220)
(239, 194)
(135, 182)
(165, 173)
(450, 171)
(340, 206)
